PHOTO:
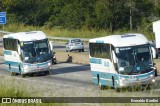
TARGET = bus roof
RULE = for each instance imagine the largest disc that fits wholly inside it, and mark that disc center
(122, 40)
(27, 36)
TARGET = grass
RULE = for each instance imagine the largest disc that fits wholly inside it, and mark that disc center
(7, 90)
(77, 33)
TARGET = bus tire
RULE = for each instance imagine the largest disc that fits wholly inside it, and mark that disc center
(156, 56)
(20, 71)
(113, 84)
(148, 87)
(117, 89)
(99, 83)
(46, 72)
(12, 73)
(22, 75)
(156, 73)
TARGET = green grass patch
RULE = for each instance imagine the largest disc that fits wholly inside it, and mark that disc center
(75, 33)
(9, 91)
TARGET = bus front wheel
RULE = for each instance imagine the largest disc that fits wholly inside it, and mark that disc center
(46, 72)
(20, 71)
(113, 84)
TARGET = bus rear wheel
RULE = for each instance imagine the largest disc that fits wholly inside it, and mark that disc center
(12, 73)
(99, 83)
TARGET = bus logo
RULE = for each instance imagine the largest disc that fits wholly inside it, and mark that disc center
(6, 100)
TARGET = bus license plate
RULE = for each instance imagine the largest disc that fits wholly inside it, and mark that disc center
(38, 69)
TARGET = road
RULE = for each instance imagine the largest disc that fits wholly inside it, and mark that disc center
(68, 80)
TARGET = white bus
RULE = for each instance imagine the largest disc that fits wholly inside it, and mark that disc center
(27, 52)
(121, 61)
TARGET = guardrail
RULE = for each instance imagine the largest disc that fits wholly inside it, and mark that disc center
(4, 33)
(49, 37)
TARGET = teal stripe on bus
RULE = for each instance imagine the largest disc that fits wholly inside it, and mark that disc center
(12, 63)
(105, 78)
(96, 61)
(99, 41)
(6, 52)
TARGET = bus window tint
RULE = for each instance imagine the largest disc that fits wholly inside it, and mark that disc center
(10, 44)
(100, 50)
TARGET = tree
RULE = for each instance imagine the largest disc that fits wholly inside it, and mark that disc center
(32, 12)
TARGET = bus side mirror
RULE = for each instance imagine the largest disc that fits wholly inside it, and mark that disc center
(114, 57)
(51, 46)
(19, 49)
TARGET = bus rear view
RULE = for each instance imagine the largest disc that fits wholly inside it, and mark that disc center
(27, 53)
(121, 61)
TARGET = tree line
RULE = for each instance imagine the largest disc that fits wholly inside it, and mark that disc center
(78, 14)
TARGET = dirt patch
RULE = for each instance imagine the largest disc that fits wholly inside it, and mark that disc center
(82, 58)
(1, 51)
(157, 61)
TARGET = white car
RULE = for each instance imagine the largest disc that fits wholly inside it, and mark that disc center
(74, 44)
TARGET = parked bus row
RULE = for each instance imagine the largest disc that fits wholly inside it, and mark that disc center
(116, 61)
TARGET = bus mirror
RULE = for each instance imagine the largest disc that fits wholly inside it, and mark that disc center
(114, 57)
(51, 46)
(19, 49)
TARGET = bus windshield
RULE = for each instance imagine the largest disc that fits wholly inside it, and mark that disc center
(134, 60)
(35, 51)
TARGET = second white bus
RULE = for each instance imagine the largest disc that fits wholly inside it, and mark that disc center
(121, 61)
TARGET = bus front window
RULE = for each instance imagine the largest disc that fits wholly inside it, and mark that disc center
(35, 51)
(134, 60)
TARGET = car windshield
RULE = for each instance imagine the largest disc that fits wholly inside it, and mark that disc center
(134, 60)
(75, 40)
(35, 51)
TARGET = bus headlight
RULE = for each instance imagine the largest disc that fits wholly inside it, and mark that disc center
(49, 64)
(121, 80)
(153, 80)
(26, 67)
(151, 75)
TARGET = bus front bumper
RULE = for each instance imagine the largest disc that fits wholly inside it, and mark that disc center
(36, 69)
(127, 83)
